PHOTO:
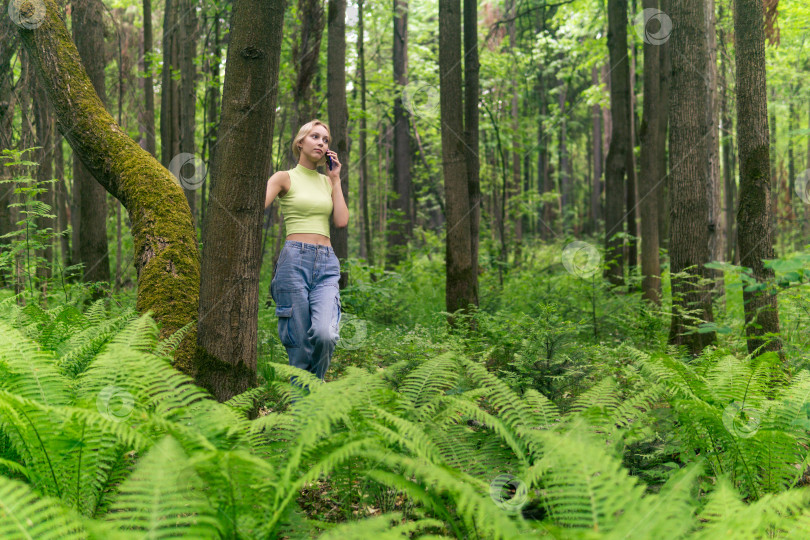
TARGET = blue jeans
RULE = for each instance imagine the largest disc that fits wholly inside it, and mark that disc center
(305, 290)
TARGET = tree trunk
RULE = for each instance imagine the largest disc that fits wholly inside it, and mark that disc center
(212, 117)
(688, 145)
(460, 280)
(515, 147)
(596, 195)
(727, 130)
(665, 54)
(339, 117)
(754, 233)
(366, 246)
(188, 97)
(305, 57)
(652, 161)
(229, 289)
(562, 163)
(147, 127)
(8, 45)
(401, 230)
(43, 119)
(715, 222)
(166, 258)
(616, 163)
(471, 97)
(88, 35)
(631, 192)
(62, 210)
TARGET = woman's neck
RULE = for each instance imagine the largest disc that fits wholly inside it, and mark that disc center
(304, 162)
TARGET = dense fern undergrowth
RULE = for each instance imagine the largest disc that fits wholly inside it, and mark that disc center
(563, 415)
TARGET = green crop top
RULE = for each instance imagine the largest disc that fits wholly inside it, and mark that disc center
(308, 204)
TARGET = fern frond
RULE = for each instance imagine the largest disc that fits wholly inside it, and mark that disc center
(24, 515)
(159, 502)
(584, 486)
(245, 401)
(167, 346)
(28, 371)
(478, 513)
(543, 408)
(432, 378)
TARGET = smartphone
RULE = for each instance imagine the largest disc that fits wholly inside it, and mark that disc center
(329, 162)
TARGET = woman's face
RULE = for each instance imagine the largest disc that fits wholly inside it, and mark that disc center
(315, 144)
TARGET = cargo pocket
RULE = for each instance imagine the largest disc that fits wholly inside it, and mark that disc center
(285, 325)
(336, 316)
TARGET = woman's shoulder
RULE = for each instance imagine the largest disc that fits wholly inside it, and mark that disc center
(283, 179)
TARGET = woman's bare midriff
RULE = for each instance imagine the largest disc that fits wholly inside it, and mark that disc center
(310, 238)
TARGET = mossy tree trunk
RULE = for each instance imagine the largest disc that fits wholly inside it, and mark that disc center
(166, 257)
(229, 290)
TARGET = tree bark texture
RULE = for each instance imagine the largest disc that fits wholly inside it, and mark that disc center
(338, 117)
(229, 289)
(688, 144)
(460, 280)
(754, 232)
(471, 97)
(616, 162)
(401, 229)
(652, 173)
(88, 34)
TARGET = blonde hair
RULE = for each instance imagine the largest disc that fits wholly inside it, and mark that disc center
(303, 132)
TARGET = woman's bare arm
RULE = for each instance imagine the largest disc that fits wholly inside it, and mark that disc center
(279, 182)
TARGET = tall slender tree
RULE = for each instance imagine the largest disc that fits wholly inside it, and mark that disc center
(653, 144)
(306, 52)
(401, 227)
(616, 162)
(147, 123)
(366, 246)
(461, 282)
(88, 34)
(754, 232)
(338, 116)
(471, 97)
(688, 144)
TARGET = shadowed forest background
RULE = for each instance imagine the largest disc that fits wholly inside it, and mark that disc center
(574, 281)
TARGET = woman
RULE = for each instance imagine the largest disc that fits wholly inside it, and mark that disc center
(305, 280)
